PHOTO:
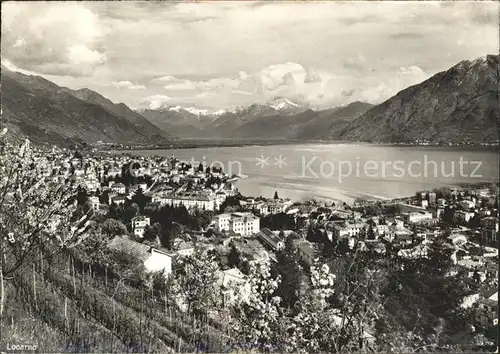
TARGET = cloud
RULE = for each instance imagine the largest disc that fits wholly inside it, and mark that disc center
(239, 92)
(81, 55)
(277, 75)
(312, 76)
(166, 79)
(52, 38)
(357, 62)
(177, 84)
(155, 101)
(127, 84)
(8, 64)
(378, 88)
(414, 72)
(20, 42)
(307, 86)
(307, 52)
(137, 87)
(205, 94)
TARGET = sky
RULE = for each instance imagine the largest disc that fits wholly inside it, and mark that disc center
(218, 55)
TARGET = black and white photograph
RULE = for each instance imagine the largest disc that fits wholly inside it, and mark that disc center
(249, 176)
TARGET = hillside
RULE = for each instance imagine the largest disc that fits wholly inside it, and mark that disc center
(460, 104)
(48, 113)
(327, 123)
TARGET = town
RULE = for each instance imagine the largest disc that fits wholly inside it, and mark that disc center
(163, 213)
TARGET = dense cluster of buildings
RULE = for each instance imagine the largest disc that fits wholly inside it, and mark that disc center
(468, 217)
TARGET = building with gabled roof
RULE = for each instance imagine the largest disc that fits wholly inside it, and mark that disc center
(271, 239)
(153, 259)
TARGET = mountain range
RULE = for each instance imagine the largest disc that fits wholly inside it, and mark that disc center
(278, 119)
(458, 104)
(47, 113)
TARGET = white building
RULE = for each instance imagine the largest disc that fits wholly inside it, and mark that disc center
(203, 201)
(277, 206)
(418, 217)
(92, 184)
(114, 172)
(140, 221)
(234, 286)
(94, 203)
(139, 224)
(118, 188)
(154, 260)
(348, 229)
(119, 200)
(382, 230)
(244, 224)
(259, 207)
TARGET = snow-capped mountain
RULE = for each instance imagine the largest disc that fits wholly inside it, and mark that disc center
(279, 104)
(189, 110)
(283, 104)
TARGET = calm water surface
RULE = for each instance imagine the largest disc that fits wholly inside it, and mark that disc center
(344, 171)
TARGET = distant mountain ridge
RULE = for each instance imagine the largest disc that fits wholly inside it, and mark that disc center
(189, 122)
(459, 104)
(48, 113)
(278, 119)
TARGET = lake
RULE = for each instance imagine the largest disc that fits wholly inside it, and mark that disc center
(344, 171)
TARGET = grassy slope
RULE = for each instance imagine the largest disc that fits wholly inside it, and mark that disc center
(85, 314)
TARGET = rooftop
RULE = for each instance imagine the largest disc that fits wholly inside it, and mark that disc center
(132, 248)
(269, 236)
(233, 275)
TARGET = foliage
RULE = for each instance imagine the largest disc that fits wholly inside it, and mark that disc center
(257, 313)
(35, 214)
(424, 292)
(232, 202)
(153, 232)
(169, 234)
(140, 199)
(370, 234)
(280, 221)
(291, 274)
(168, 215)
(312, 326)
(233, 259)
(443, 192)
(112, 228)
(197, 277)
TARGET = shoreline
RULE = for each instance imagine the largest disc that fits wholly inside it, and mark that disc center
(200, 144)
